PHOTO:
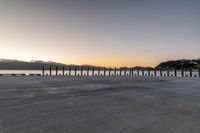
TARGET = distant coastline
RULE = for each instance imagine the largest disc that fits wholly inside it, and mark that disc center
(6, 64)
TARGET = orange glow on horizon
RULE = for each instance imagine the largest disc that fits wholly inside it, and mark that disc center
(116, 64)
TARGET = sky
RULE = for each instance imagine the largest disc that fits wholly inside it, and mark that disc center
(100, 32)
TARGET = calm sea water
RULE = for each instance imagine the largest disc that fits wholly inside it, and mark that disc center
(27, 72)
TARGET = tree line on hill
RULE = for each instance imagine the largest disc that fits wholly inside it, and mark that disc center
(180, 64)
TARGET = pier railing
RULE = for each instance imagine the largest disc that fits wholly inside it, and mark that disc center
(103, 71)
(99, 71)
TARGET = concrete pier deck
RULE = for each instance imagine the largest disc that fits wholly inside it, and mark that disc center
(99, 105)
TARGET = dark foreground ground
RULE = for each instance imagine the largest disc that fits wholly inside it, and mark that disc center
(99, 105)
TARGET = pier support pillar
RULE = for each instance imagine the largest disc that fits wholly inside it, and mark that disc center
(182, 73)
(99, 71)
(63, 70)
(190, 72)
(199, 72)
(104, 71)
(88, 69)
(81, 70)
(149, 72)
(56, 70)
(43, 73)
(175, 73)
(168, 73)
(125, 71)
(155, 74)
(75, 71)
(70, 70)
(130, 71)
(109, 71)
(161, 72)
(93, 71)
(50, 71)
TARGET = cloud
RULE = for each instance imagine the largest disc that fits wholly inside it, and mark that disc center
(146, 51)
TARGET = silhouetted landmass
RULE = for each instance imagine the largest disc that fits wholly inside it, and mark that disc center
(37, 65)
(143, 68)
(33, 65)
(180, 64)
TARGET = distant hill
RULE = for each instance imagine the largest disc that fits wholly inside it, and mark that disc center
(33, 65)
(180, 64)
(142, 68)
(22, 65)
(6, 64)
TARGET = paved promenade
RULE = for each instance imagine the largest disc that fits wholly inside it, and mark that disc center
(99, 105)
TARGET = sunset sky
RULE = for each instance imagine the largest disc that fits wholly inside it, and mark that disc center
(100, 32)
